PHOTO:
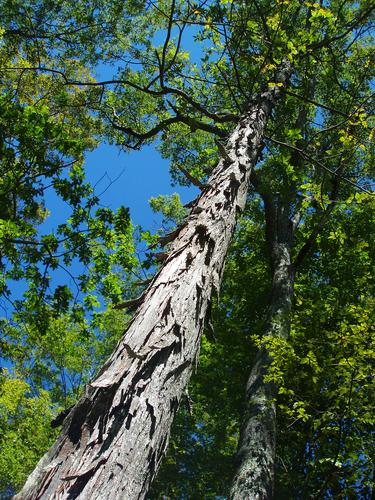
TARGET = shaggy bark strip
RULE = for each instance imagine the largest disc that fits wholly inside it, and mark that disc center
(112, 442)
(254, 477)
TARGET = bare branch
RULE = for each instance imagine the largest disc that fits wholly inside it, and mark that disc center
(166, 42)
(320, 105)
(318, 163)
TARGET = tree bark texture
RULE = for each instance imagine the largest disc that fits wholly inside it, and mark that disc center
(254, 477)
(112, 441)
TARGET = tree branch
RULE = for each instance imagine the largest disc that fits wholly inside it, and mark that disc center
(327, 41)
(193, 180)
(162, 125)
(165, 90)
(314, 234)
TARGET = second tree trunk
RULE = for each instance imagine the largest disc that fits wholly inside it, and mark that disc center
(254, 477)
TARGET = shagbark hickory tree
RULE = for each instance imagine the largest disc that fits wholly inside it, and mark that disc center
(277, 96)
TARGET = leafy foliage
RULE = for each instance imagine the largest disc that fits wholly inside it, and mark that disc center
(46, 130)
(25, 431)
(325, 387)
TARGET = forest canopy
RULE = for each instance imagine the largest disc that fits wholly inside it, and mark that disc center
(265, 107)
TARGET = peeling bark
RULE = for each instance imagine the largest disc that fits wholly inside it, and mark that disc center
(112, 441)
(254, 476)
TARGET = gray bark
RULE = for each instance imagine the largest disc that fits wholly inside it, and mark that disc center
(254, 476)
(112, 441)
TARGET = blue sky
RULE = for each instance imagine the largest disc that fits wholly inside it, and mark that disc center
(121, 178)
(131, 179)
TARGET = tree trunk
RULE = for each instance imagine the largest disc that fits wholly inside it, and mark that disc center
(112, 441)
(256, 450)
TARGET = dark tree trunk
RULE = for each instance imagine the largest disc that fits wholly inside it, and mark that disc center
(112, 441)
(256, 450)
